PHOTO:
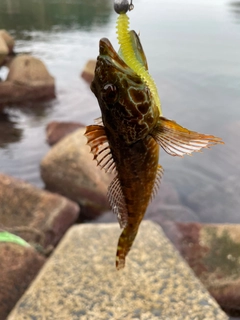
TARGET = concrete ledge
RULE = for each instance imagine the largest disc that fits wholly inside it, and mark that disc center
(80, 280)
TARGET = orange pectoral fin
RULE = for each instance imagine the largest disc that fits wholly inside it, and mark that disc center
(97, 140)
(178, 141)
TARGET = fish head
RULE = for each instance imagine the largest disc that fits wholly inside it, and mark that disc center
(125, 100)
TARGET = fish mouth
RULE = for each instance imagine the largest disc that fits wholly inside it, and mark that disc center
(107, 51)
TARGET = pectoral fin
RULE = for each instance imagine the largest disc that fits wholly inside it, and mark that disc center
(97, 140)
(178, 141)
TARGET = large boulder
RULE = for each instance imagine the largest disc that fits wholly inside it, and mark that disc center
(69, 169)
(38, 216)
(57, 130)
(18, 267)
(28, 79)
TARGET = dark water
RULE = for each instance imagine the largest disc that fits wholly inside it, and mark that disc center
(193, 50)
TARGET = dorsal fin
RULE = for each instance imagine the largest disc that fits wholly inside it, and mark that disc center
(97, 140)
(98, 121)
(178, 141)
(117, 202)
(157, 181)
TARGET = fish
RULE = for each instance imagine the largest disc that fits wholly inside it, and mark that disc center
(126, 139)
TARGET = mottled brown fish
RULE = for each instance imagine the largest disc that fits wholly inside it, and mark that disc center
(128, 137)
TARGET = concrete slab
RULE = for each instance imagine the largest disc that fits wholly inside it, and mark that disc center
(80, 281)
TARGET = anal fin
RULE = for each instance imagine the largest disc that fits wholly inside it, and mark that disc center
(97, 140)
(178, 141)
(117, 202)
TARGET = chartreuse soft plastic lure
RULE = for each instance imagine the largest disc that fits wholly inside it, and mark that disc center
(129, 53)
(9, 237)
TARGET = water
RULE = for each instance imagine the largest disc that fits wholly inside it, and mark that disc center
(193, 51)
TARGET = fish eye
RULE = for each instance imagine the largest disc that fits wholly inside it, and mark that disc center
(110, 93)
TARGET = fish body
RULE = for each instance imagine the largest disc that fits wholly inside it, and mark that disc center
(127, 139)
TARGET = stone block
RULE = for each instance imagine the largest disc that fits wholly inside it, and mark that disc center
(80, 281)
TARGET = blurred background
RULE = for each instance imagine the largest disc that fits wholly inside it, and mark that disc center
(193, 52)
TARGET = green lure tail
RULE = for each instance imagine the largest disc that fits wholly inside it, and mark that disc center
(130, 54)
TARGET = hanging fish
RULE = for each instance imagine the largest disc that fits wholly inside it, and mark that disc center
(127, 138)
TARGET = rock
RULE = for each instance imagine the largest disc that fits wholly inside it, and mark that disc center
(167, 206)
(28, 79)
(218, 202)
(8, 40)
(37, 216)
(88, 71)
(69, 169)
(58, 130)
(9, 132)
(3, 50)
(213, 252)
(18, 267)
(80, 280)
(173, 213)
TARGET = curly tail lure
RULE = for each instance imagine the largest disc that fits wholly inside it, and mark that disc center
(130, 59)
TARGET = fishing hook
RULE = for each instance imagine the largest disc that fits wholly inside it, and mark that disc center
(123, 6)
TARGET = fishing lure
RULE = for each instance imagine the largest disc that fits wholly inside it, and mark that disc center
(127, 138)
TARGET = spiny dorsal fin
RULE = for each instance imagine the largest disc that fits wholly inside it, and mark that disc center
(117, 202)
(178, 141)
(98, 121)
(157, 181)
(97, 140)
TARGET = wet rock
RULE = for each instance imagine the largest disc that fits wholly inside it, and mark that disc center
(213, 252)
(18, 267)
(80, 280)
(173, 213)
(88, 71)
(36, 215)
(58, 130)
(28, 79)
(218, 202)
(9, 132)
(69, 169)
(8, 40)
(3, 50)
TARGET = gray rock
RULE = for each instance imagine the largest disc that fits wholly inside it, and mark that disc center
(80, 281)
(18, 267)
(70, 170)
(37, 216)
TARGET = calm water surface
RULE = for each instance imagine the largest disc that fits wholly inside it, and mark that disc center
(193, 51)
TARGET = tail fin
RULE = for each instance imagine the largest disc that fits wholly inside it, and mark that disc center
(124, 245)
